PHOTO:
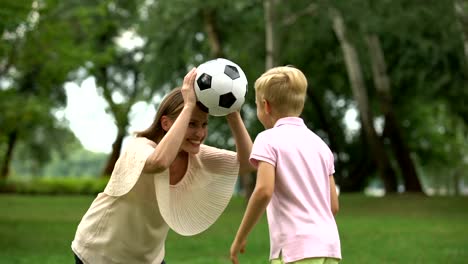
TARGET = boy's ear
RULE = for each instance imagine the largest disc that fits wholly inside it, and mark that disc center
(266, 106)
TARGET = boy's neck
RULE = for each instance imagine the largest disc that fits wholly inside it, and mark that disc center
(274, 118)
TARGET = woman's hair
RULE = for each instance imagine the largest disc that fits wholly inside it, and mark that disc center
(171, 106)
(284, 88)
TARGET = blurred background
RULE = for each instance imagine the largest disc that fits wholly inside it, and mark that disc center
(387, 91)
(387, 83)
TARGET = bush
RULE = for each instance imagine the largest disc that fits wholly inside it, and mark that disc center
(54, 185)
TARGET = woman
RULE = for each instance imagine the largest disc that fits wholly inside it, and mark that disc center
(165, 178)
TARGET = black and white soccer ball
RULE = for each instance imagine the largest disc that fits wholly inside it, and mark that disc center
(220, 86)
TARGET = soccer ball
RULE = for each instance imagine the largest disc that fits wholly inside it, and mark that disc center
(220, 86)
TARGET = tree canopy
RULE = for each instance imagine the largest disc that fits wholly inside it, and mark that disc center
(411, 58)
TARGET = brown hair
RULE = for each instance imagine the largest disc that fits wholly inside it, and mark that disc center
(171, 106)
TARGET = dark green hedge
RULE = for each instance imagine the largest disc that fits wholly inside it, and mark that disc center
(54, 185)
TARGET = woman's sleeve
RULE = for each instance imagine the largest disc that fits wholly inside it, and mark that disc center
(219, 161)
(129, 167)
(197, 201)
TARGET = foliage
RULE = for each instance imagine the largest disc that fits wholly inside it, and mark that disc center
(54, 185)
(184, 42)
(78, 163)
(45, 43)
(40, 134)
(75, 161)
(41, 52)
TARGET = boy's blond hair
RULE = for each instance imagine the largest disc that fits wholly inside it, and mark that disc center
(284, 88)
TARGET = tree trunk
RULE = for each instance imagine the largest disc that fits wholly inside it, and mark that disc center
(120, 113)
(329, 128)
(213, 33)
(114, 156)
(271, 43)
(456, 181)
(382, 85)
(12, 139)
(461, 11)
(358, 174)
(247, 184)
(248, 181)
(353, 67)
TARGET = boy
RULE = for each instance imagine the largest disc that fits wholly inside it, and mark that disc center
(294, 177)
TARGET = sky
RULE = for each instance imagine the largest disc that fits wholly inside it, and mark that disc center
(85, 110)
(85, 113)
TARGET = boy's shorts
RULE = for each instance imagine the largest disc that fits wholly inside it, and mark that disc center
(307, 261)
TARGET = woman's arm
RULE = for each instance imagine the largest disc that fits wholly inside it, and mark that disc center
(167, 149)
(243, 141)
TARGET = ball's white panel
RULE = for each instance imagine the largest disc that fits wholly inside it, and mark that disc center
(211, 67)
(209, 98)
(218, 111)
(226, 62)
(239, 87)
(221, 83)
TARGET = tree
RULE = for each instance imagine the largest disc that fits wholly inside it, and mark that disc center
(420, 74)
(392, 129)
(116, 69)
(359, 91)
(271, 58)
(461, 11)
(31, 78)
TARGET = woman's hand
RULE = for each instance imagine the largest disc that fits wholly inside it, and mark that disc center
(187, 90)
(243, 141)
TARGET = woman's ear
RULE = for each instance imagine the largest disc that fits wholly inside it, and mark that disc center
(166, 123)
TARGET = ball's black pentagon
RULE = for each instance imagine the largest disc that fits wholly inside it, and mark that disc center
(231, 71)
(204, 81)
(202, 107)
(227, 100)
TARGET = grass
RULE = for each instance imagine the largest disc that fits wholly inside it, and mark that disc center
(396, 229)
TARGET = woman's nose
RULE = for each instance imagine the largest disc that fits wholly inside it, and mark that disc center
(200, 132)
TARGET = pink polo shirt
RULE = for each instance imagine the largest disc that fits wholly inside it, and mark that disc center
(300, 220)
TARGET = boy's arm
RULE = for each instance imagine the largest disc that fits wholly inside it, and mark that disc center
(258, 202)
(243, 142)
(333, 196)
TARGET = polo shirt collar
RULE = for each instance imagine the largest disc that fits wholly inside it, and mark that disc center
(296, 121)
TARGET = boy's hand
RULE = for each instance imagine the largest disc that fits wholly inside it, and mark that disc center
(236, 247)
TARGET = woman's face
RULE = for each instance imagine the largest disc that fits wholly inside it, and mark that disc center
(197, 131)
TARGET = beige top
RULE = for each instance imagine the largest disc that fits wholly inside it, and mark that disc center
(129, 221)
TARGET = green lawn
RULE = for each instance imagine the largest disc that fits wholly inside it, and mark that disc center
(400, 229)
